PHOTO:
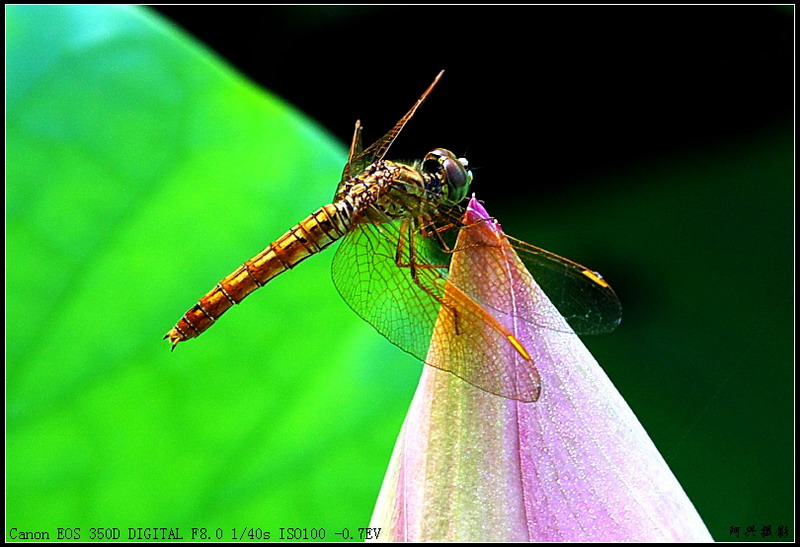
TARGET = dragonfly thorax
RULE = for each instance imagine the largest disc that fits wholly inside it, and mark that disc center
(388, 190)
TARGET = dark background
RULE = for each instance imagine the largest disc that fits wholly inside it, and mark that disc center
(539, 97)
(651, 143)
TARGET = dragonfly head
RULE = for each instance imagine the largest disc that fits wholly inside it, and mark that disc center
(453, 173)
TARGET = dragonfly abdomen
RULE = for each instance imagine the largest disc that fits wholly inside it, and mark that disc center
(306, 238)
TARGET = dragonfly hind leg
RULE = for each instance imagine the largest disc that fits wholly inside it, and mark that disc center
(406, 232)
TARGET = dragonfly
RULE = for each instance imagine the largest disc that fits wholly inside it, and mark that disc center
(398, 224)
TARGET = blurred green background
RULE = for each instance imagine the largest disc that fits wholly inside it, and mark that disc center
(653, 144)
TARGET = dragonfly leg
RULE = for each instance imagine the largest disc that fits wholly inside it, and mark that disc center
(428, 228)
(425, 228)
(442, 243)
(447, 249)
(407, 232)
(406, 227)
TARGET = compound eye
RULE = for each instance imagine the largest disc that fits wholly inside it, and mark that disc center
(455, 174)
(433, 161)
(452, 170)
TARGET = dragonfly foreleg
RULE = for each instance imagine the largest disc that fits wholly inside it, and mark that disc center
(429, 228)
(437, 232)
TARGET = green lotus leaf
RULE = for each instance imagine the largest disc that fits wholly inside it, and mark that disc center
(141, 170)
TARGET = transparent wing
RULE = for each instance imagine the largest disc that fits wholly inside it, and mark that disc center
(581, 295)
(476, 311)
(583, 298)
(420, 311)
(359, 158)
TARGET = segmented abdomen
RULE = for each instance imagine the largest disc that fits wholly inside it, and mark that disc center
(308, 237)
